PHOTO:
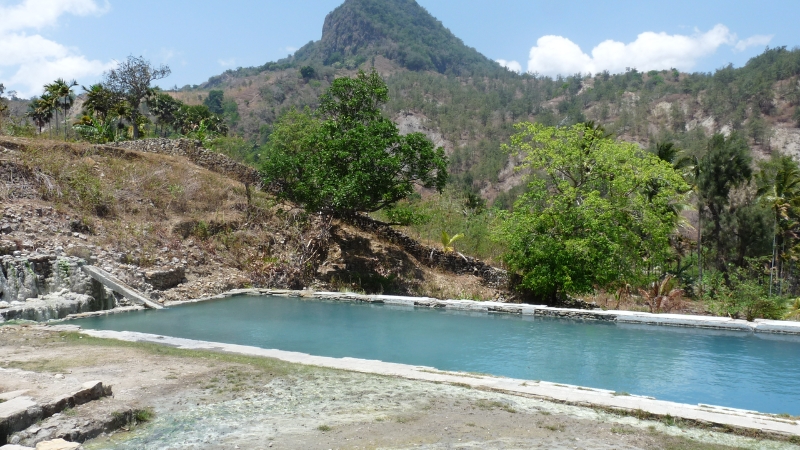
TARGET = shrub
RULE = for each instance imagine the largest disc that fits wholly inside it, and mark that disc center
(745, 293)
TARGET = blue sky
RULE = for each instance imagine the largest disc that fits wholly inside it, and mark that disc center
(41, 40)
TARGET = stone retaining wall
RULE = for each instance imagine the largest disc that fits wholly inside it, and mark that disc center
(194, 151)
(433, 257)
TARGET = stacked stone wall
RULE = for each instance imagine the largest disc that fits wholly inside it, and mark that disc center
(194, 152)
(450, 261)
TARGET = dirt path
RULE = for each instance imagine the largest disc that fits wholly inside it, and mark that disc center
(220, 401)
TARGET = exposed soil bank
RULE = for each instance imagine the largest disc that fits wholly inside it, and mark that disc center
(205, 399)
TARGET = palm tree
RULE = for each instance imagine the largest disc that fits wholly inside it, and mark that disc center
(46, 105)
(782, 194)
(63, 96)
(686, 166)
(40, 112)
(51, 94)
(99, 101)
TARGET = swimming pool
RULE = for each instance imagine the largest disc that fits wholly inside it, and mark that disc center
(688, 365)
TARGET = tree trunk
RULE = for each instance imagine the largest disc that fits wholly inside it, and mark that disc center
(700, 248)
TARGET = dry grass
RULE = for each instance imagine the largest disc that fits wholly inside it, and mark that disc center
(458, 287)
(150, 208)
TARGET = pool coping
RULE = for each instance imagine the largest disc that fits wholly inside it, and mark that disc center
(739, 421)
(618, 316)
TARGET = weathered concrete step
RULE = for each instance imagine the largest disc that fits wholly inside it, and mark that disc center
(22, 411)
(83, 423)
(55, 444)
(116, 285)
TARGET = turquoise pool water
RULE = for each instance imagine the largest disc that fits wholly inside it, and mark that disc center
(735, 369)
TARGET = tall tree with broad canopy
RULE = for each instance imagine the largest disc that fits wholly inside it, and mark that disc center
(131, 81)
(598, 213)
(346, 157)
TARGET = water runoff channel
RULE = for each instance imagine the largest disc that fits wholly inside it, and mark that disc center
(753, 371)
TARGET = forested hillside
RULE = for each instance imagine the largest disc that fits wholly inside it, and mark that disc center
(637, 186)
(468, 103)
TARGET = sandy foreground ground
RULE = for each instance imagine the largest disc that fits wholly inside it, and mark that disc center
(207, 400)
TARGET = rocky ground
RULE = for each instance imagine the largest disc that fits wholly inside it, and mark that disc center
(175, 230)
(32, 227)
(217, 401)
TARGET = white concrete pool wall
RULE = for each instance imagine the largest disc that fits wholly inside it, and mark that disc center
(631, 317)
(729, 419)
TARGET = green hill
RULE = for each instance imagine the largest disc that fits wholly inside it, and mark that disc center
(469, 103)
(399, 30)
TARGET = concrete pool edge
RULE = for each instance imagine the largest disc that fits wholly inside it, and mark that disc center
(743, 422)
(631, 317)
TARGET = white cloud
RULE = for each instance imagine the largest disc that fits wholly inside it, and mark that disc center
(33, 60)
(44, 13)
(167, 54)
(554, 55)
(755, 40)
(510, 65)
(289, 49)
(227, 62)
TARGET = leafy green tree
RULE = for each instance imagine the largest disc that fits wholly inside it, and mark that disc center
(308, 72)
(589, 217)
(99, 102)
(724, 167)
(131, 80)
(214, 101)
(165, 108)
(194, 118)
(39, 112)
(779, 188)
(230, 110)
(348, 158)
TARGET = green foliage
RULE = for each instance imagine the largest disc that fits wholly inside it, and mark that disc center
(348, 157)
(236, 148)
(590, 218)
(100, 102)
(736, 223)
(743, 292)
(450, 210)
(214, 101)
(198, 121)
(3, 102)
(95, 131)
(165, 109)
(794, 310)
(448, 242)
(404, 214)
(61, 98)
(130, 81)
(308, 72)
(400, 30)
(230, 110)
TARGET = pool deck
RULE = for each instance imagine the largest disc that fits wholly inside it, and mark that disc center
(734, 420)
(628, 317)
